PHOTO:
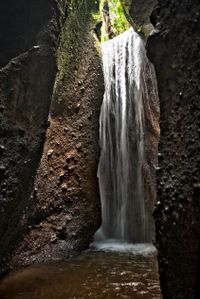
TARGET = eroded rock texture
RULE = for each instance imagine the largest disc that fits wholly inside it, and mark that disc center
(28, 35)
(66, 204)
(64, 207)
(174, 49)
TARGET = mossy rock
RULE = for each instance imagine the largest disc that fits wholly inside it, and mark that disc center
(79, 22)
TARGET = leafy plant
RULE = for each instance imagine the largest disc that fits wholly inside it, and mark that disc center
(118, 19)
(118, 10)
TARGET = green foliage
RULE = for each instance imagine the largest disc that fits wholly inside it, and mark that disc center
(118, 10)
(80, 17)
(118, 19)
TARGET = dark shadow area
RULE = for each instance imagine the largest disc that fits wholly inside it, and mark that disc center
(25, 96)
(20, 22)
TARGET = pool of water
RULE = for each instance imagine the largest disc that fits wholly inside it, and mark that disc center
(107, 271)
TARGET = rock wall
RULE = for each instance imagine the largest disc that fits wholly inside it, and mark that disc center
(174, 49)
(140, 12)
(28, 37)
(64, 208)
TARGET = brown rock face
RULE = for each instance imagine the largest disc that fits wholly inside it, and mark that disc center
(54, 213)
(28, 35)
(174, 49)
(65, 206)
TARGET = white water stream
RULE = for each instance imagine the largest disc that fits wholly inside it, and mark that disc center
(125, 213)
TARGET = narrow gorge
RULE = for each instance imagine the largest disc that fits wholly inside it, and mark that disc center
(99, 149)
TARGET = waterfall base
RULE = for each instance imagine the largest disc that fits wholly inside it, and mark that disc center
(116, 245)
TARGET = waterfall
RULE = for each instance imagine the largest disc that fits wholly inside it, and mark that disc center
(125, 212)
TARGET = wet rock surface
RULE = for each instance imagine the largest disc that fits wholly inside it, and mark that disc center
(28, 36)
(174, 49)
(140, 13)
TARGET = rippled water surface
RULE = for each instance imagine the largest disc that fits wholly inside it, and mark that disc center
(109, 272)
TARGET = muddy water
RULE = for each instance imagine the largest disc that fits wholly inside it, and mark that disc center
(103, 273)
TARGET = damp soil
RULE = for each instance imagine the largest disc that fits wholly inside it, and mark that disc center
(94, 274)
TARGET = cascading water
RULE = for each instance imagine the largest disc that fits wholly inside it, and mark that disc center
(127, 71)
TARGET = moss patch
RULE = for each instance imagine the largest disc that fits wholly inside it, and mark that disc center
(79, 22)
(118, 19)
(115, 12)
